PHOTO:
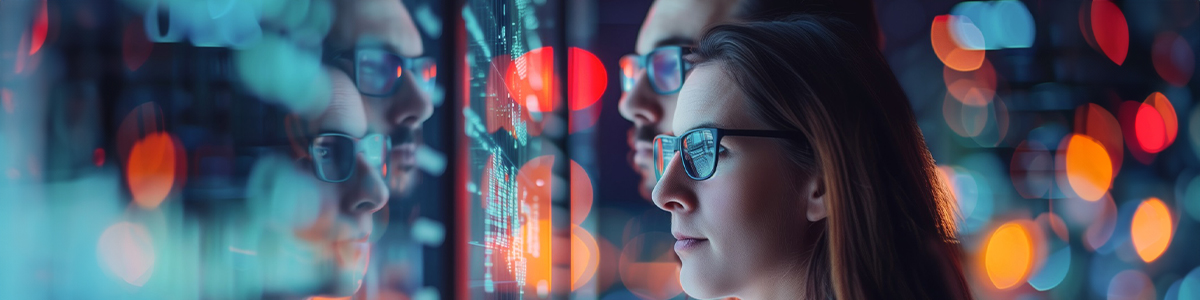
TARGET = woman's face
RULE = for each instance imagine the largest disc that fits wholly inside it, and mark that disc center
(742, 228)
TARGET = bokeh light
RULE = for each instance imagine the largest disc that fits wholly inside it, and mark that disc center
(1173, 58)
(1101, 229)
(531, 80)
(1110, 30)
(1157, 124)
(581, 193)
(1032, 170)
(126, 251)
(1054, 271)
(948, 50)
(1191, 198)
(1151, 229)
(154, 164)
(98, 157)
(649, 268)
(1189, 286)
(976, 87)
(588, 78)
(1087, 167)
(1131, 285)
(985, 124)
(991, 25)
(6, 99)
(135, 46)
(1096, 122)
(1009, 255)
(41, 25)
(585, 257)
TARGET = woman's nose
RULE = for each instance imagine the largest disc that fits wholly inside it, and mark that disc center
(675, 191)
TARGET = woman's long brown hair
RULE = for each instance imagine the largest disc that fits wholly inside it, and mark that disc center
(889, 233)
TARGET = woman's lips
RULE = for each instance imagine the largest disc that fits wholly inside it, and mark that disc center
(688, 244)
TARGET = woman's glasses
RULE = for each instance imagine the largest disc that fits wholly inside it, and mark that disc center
(699, 149)
(377, 72)
(335, 155)
(664, 66)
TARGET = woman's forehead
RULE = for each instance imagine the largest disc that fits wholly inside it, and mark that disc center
(709, 96)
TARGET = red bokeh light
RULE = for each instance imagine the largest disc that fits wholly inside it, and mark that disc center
(531, 80)
(41, 24)
(588, 79)
(1110, 30)
(98, 157)
(1173, 58)
(135, 46)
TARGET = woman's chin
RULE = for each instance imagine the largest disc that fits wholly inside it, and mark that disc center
(695, 283)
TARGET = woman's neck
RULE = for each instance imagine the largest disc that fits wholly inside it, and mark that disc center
(789, 282)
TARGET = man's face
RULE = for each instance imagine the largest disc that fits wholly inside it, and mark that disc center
(669, 23)
(386, 25)
(326, 247)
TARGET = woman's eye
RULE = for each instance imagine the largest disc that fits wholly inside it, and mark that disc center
(721, 149)
(322, 152)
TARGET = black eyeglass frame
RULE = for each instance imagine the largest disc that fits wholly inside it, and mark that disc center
(675, 144)
(358, 148)
(644, 62)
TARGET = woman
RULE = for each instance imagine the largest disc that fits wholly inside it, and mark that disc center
(802, 173)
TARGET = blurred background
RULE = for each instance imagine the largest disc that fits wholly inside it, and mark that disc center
(148, 148)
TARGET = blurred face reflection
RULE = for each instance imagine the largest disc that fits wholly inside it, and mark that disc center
(669, 22)
(743, 229)
(386, 29)
(337, 238)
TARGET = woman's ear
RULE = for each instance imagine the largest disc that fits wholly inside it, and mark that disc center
(814, 194)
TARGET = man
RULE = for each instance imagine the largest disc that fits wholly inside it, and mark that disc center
(651, 78)
(360, 150)
(379, 46)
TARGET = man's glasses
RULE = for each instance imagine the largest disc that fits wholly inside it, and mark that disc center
(335, 155)
(699, 149)
(377, 72)
(664, 66)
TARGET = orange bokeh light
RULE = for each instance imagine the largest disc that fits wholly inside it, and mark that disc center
(1151, 229)
(585, 257)
(1087, 167)
(152, 168)
(948, 50)
(581, 193)
(1096, 122)
(656, 278)
(1008, 256)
